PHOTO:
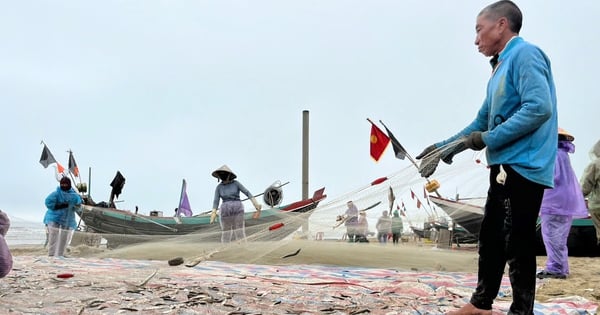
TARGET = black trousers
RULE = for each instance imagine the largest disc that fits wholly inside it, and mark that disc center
(508, 235)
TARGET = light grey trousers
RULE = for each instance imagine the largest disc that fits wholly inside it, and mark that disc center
(59, 237)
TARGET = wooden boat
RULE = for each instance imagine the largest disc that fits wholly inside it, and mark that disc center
(459, 234)
(582, 240)
(467, 215)
(278, 222)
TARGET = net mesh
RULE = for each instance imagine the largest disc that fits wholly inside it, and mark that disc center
(465, 177)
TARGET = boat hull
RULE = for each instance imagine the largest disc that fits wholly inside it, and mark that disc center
(115, 224)
(581, 242)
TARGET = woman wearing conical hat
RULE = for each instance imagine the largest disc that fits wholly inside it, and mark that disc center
(560, 205)
(231, 213)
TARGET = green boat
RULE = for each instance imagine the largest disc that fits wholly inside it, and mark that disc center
(276, 222)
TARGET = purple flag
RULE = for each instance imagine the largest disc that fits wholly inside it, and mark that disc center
(184, 203)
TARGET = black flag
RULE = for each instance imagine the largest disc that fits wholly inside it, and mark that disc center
(117, 184)
(399, 150)
(47, 158)
(73, 165)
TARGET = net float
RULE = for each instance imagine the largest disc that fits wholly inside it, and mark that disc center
(64, 275)
(275, 226)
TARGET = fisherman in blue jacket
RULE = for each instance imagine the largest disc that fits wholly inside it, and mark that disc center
(60, 217)
(518, 124)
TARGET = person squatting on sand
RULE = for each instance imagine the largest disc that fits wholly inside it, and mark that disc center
(362, 228)
(590, 186)
(60, 217)
(351, 222)
(518, 123)
(231, 213)
(6, 260)
(560, 206)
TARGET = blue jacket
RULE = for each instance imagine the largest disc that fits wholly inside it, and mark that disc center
(518, 117)
(66, 216)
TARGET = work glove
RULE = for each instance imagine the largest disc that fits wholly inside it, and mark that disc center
(451, 150)
(257, 206)
(473, 141)
(213, 216)
(61, 205)
(431, 159)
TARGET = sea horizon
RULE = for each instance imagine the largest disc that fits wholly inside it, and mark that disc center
(25, 232)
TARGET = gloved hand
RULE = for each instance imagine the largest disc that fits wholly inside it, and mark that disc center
(449, 152)
(431, 159)
(474, 141)
(257, 206)
(61, 205)
(213, 216)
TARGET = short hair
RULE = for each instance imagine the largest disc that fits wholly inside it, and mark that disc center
(507, 9)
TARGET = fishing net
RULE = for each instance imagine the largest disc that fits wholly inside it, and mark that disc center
(403, 191)
(309, 269)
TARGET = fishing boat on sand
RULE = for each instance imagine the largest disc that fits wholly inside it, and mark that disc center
(126, 226)
(582, 240)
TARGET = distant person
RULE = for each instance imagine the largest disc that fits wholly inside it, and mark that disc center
(384, 227)
(6, 261)
(590, 186)
(397, 227)
(362, 230)
(351, 223)
(60, 217)
(518, 123)
(231, 213)
(560, 205)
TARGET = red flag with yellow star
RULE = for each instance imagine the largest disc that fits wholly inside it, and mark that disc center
(379, 142)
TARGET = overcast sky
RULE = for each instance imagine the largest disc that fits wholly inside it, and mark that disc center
(167, 90)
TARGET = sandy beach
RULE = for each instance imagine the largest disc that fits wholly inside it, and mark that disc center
(323, 277)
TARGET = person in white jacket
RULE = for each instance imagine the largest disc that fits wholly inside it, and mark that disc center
(590, 187)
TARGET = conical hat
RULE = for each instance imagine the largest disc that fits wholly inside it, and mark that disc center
(226, 169)
(567, 136)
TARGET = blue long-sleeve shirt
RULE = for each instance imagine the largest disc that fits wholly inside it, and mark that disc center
(518, 117)
(229, 192)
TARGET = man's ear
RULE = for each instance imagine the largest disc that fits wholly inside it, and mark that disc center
(503, 24)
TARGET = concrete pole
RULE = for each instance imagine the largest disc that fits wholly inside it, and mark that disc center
(305, 154)
(305, 166)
